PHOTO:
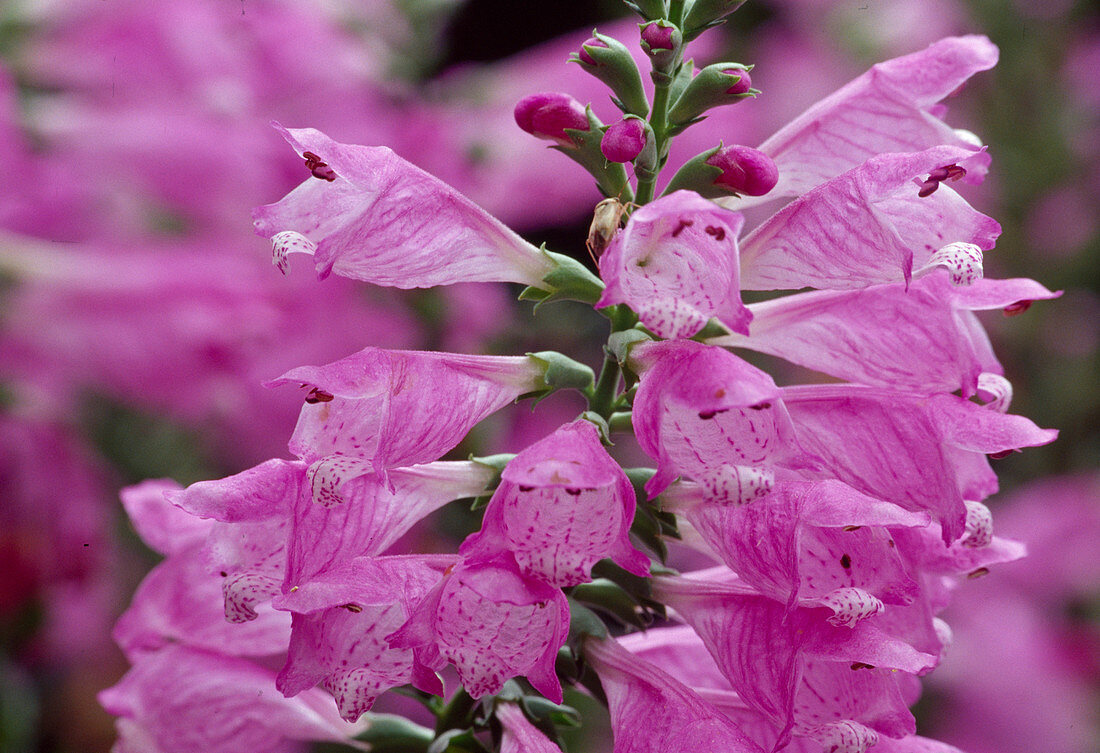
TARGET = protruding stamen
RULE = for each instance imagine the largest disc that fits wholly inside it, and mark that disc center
(845, 736)
(736, 484)
(979, 525)
(850, 605)
(289, 242)
(937, 176)
(318, 168)
(995, 391)
(962, 260)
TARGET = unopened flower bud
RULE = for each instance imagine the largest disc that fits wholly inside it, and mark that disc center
(611, 62)
(744, 170)
(583, 53)
(703, 14)
(662, 42)
(715, 85)
(547, 115)
(626, 139)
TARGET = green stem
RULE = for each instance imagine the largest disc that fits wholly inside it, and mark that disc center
(455, 714)
(658, 120)
(605, 393)
(676, 11)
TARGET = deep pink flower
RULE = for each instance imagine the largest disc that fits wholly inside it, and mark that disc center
(385, 221)
(797, 668)
(676, 264)
(562, 505)
(624, 140)
(652, 713)
(493, 623)
(341, 620)
(745, 170)
(702, 411)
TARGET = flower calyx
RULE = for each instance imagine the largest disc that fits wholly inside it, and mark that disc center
(610, 61)
(569, 280)
(663, 43)
(705, 14)
(716, 85)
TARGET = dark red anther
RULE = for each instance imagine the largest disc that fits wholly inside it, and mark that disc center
(978, 573)
(573, 492)
(318, 168)
(680, 228)
(717, 232)
(1015, 309)
(707, 415)
(947, 172)
(353, 608)
(862, 665)
(318, 396)
(1001, 454)
(846, 561)
(526, 488)
(760, 406)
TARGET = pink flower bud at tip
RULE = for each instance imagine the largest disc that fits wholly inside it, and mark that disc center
(659, 37)
(583, 53)
(745, 170)
(547, 115)
(624, 140)
(742, 86)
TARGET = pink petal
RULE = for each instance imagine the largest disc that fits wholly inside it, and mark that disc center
(519, 735)
(163, 526)
(887, 109)
(652, 713)
(398, 408)
(385, 221)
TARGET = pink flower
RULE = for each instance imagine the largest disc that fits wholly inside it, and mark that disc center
(185, 700)
(396, 408)
(519, 735)
(493, 623)
(562, 505)
(380, 219)
(341, 620)
(676, 264)
(651, 712)
(549, 114)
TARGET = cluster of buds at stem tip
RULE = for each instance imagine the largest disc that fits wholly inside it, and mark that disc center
(727, 170)
(714, 86)
(611, 62)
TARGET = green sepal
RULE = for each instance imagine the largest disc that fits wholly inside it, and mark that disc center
(457, 741)
(569, 280)
(558, 714)
(705, 14)
(621, 421)
(585, 151)
(583, 622)
(615, 66)
(608, 598)
(706, 90)
(636, 587)
(696, 175)
(619, 344)
(601, 426)
(713, 328)
(389, 733)
(650, 10)
(560, 372)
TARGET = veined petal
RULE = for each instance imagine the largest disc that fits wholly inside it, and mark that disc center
(194, 701)
(653, 713)
(165, 527)
(699, 407)
(341, 620)
(562, 505)
(916, 451)
(887, 109)
(920, 339)
(493, 623)
(519, 735)
(866, 226)
(676, 264)
(400, 408)
(383, 220)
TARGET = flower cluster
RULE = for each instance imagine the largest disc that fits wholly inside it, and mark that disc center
(836, 516)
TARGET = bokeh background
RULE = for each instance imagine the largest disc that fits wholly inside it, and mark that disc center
(138, 313)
